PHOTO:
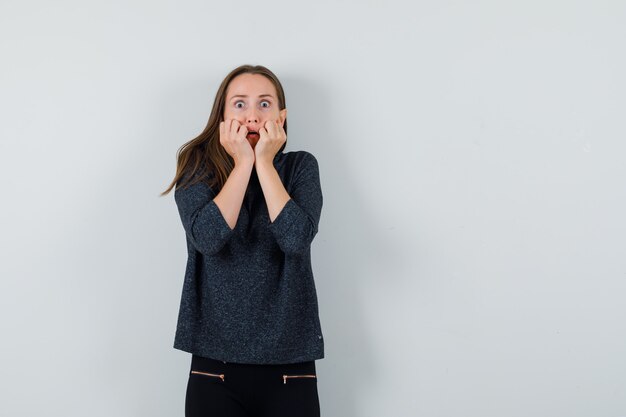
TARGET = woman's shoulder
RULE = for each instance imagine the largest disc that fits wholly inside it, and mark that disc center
(300, 158)
(297, 162)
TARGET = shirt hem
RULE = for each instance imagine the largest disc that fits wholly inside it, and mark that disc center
(283, 357)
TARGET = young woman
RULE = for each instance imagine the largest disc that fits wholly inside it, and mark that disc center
(249, 311)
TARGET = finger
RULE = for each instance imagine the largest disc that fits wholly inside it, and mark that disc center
(234, 127)
(279, 129)
(227, 125)
(271, 128)
(263, 133)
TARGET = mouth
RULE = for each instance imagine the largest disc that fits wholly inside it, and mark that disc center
(252, 135)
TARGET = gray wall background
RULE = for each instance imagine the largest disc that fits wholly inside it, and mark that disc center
(470, 257)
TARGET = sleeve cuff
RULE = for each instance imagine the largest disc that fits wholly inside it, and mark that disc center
(220, 230)
(285, 219)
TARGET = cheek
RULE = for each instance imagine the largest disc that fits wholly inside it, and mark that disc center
(230, 114)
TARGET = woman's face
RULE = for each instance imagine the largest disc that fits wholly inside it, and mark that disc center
(251, 99)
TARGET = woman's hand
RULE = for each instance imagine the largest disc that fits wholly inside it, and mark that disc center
(272, 137)
(233, 139)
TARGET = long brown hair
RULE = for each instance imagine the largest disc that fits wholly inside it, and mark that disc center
(204, 154)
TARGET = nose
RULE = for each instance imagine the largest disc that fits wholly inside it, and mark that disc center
(252, 117)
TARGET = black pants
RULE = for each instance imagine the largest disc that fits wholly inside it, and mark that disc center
(227, 389)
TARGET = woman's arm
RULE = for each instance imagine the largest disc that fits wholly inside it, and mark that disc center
(208, 219)
(230, 198)
(273, 189)
(294, 217)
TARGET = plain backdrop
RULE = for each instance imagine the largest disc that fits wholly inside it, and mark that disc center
(470, 259)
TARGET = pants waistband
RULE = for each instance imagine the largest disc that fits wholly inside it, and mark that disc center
(200, 362)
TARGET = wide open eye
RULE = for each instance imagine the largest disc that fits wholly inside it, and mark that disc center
(268, 103)
(238, 101)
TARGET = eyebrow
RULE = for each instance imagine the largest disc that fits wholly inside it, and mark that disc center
(242, 95)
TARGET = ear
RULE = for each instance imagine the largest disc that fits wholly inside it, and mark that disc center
(282, 116)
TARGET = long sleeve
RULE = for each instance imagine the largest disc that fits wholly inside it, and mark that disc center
(202, 219)
(297, 223)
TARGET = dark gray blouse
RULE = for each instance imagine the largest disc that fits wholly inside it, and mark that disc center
(248, 294)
